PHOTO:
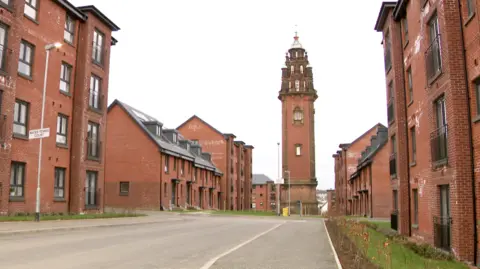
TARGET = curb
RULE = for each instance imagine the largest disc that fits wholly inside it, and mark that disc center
(70, 228)
(339, 265)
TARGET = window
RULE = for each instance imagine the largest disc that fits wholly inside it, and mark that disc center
(405, 29)
(17, 179)
(93, 143)
(433, 53)
(3, 46)
(31, 9)
(298, 150)
(297, 85)
(62, 123)
(174, 138)
(65, 75)
(415, 206)
(97, 50)
(298, 115)
(387, 57)
(441, 113)
(439, 135)
(394, 144)
(195, 142)
(91, 189)
(410, 84)
(167, 163)
(94, 96)
(395, 200)
(158, 131)
(25, 59)
(69, 31)
(6, 2)
(391, 103)
(470, 8)
(182, 169)
(20, 118)
(174, 163)
(477, 92)
(124, 188)
(59, 185)
(413, 137)
(292, 69)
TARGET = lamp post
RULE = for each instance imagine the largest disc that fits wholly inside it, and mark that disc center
(278, 180)
(48, 48)
(288, 173)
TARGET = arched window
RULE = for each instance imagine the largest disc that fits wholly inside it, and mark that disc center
(298, 115)
(296, 54)
(301, 69)
(297, 85)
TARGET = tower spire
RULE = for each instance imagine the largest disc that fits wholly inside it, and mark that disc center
(296, 44)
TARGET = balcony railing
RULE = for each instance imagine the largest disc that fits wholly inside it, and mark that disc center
(391, 111)
(394, 220)
(442, 232)
(393, 164)
(92, 198)
(438, 140)
(433, 58)
(94, 147)
(388, 58)
(95, 100)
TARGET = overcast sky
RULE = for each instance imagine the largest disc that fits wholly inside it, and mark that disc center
(222, 60)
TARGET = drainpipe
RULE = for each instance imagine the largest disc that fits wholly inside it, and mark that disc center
(472, 162)
(371, 191)
(162, 170)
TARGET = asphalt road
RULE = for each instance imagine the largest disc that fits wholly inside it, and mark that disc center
(192, 242)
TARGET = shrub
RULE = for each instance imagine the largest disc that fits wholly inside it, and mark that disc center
(429, 252)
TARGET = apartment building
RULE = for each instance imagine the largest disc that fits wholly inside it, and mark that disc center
(263, 193)
(151, 167)
(229, 155)
(346, 162)
(431, 71)
(78, 42)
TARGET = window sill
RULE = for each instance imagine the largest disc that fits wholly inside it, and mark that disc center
(97, 63)
(415, 226)
(66, 93)
(440, 163)
(16, 199)
(59, 200)
(123, 194)
(476, 119)
(69, 43)
(469, 19)
(20, 136)
(96, 110)
(31, 19)
(63, 146)
(412, 164)
(25, 76)
(434, 78)
(410, 103)
(94, 159)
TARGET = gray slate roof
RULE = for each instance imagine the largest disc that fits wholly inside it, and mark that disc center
(260, 179)
(163, 143)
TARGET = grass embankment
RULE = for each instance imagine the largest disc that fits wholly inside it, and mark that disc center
(243, 213)
(396, 252)
(70, 217)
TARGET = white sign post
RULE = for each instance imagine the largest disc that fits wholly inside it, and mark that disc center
(39, 133)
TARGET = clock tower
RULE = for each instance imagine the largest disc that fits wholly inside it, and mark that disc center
(298, 95)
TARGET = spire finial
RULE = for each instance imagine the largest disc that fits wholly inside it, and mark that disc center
(296, 43)
(296, 32)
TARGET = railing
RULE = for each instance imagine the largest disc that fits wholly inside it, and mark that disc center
(438, 143)
(94, 147)
(393, 164)
(92, 197)
(394, 220)
(433, 58)
(391, 111)
(388, 57)
(442, 232)
(95, 100)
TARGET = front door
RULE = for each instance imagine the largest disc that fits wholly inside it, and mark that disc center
(91, 189)
(174, 193)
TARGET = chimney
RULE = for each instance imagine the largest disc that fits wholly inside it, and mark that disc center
(207, 156)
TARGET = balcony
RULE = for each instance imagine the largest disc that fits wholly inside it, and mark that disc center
(391, 111)
(393, 165)
(95, 101)
(388, 58)
(442, 232)
(438, 140)
(94, 148)
(433, 59)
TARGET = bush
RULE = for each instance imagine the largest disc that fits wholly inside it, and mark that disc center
(429, 252)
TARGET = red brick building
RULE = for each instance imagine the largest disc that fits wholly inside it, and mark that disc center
(72, 164)
(150, 167)
(233, 157)
(431, 70)
(369, 185)
(263, 193)
(346, 162)
(331, 203)
(298, 96)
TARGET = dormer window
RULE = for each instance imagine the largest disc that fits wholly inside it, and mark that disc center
(158, 131)
(195, 142)
(174, 138)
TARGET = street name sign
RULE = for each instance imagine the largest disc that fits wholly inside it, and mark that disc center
(39, 133)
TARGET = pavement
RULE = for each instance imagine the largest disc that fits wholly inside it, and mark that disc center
(168, 241)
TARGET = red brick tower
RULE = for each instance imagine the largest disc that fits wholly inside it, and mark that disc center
(298, 96)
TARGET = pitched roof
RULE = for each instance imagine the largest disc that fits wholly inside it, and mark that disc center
(382, 15)
(206, 123)
(346, 146)
(260, 179)
(162, 142)
(100, 16)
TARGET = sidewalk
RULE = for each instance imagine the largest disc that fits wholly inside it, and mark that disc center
(20, 227)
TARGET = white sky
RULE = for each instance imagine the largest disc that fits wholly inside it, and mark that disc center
(221, 60)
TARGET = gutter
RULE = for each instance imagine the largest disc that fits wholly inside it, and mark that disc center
(472, 161)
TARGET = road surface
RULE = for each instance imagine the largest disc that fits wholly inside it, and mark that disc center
(189, 242)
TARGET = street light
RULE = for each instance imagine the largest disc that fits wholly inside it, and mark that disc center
(48, 47)
(278, 180)
(288, 172)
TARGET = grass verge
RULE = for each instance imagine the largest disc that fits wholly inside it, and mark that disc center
(243, 213)
(70, 217)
